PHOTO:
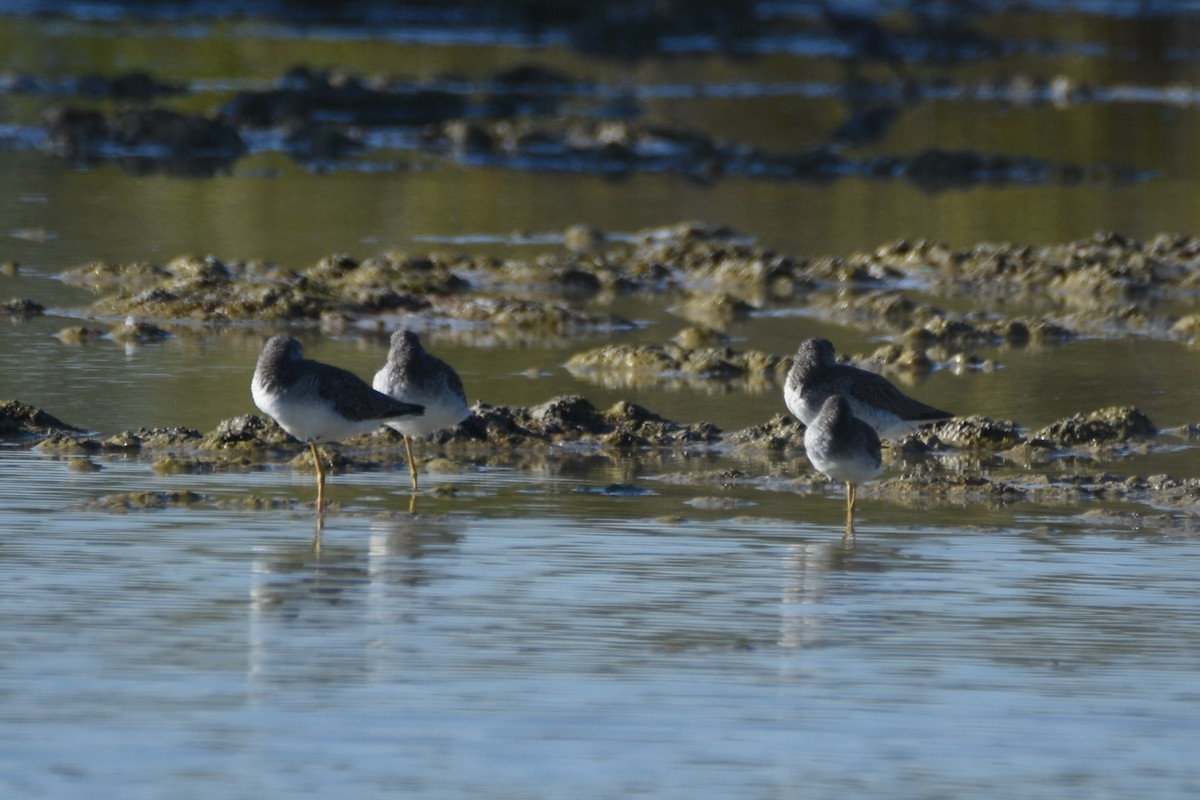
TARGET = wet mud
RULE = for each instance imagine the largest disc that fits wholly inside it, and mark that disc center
(1106, 286)
(712, 273)
(963, 461)
(531, 116)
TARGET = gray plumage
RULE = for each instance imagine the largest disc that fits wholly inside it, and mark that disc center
(816, 375)
(843, 448)
(414, 375)
(318, 402)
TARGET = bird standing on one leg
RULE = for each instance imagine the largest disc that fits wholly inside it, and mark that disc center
(843, 448)
(815, 375)
(415, 376)
(317, 402)
(846, 410)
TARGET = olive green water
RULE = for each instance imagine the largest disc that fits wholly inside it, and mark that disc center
(528, 636)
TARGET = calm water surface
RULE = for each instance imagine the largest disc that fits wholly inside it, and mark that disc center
(529, 636)
(496, 648)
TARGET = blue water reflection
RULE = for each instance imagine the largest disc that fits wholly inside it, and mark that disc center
(451, 655)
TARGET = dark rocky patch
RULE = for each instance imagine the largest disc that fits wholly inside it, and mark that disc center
(780, 432)
(144, 138)
(142, 501)
(1107, 426)
(716, 363)
(621, 147)
(78, 334)
(22, 308)
(520, 119)
(944, 330)
(22, 421)
(976, 434)
(315, 141)
(247, 432)
(154, 439)
(575, 419)
(134, 332)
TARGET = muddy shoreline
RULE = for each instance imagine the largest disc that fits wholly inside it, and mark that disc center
(1108, 286)
(951, 462)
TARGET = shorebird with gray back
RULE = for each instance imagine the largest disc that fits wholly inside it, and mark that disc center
(846, 410)
(317, 402)
(843, 448)
(816, 374)
(413, 375)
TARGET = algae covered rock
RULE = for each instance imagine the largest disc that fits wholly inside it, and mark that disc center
(902, 357)
(953, 487)
(550, 319)
(635, 426)
(154, 438)
(78, 334)
(710, 363)
(142, 501)
(712, 275)
(132, 331)
(632, 358)
(780, 432)
(571, 418)
(105, 276)
(944, 330)
(1115, 425)
(978, 434)
(22, 421)
(567, 415)
(497, 425)
(247, 432)
(697, 336)
(83, 464)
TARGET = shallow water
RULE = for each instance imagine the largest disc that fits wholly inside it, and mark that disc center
(526, 644)
(530, 634)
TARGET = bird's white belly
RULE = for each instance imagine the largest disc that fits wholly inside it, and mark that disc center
(435, 418)
(310, 422)
(846, 470)
(845, 467)
(443, 409)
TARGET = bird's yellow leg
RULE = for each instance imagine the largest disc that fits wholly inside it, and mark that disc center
(851, 496)
(412, 465)
(316, 454)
